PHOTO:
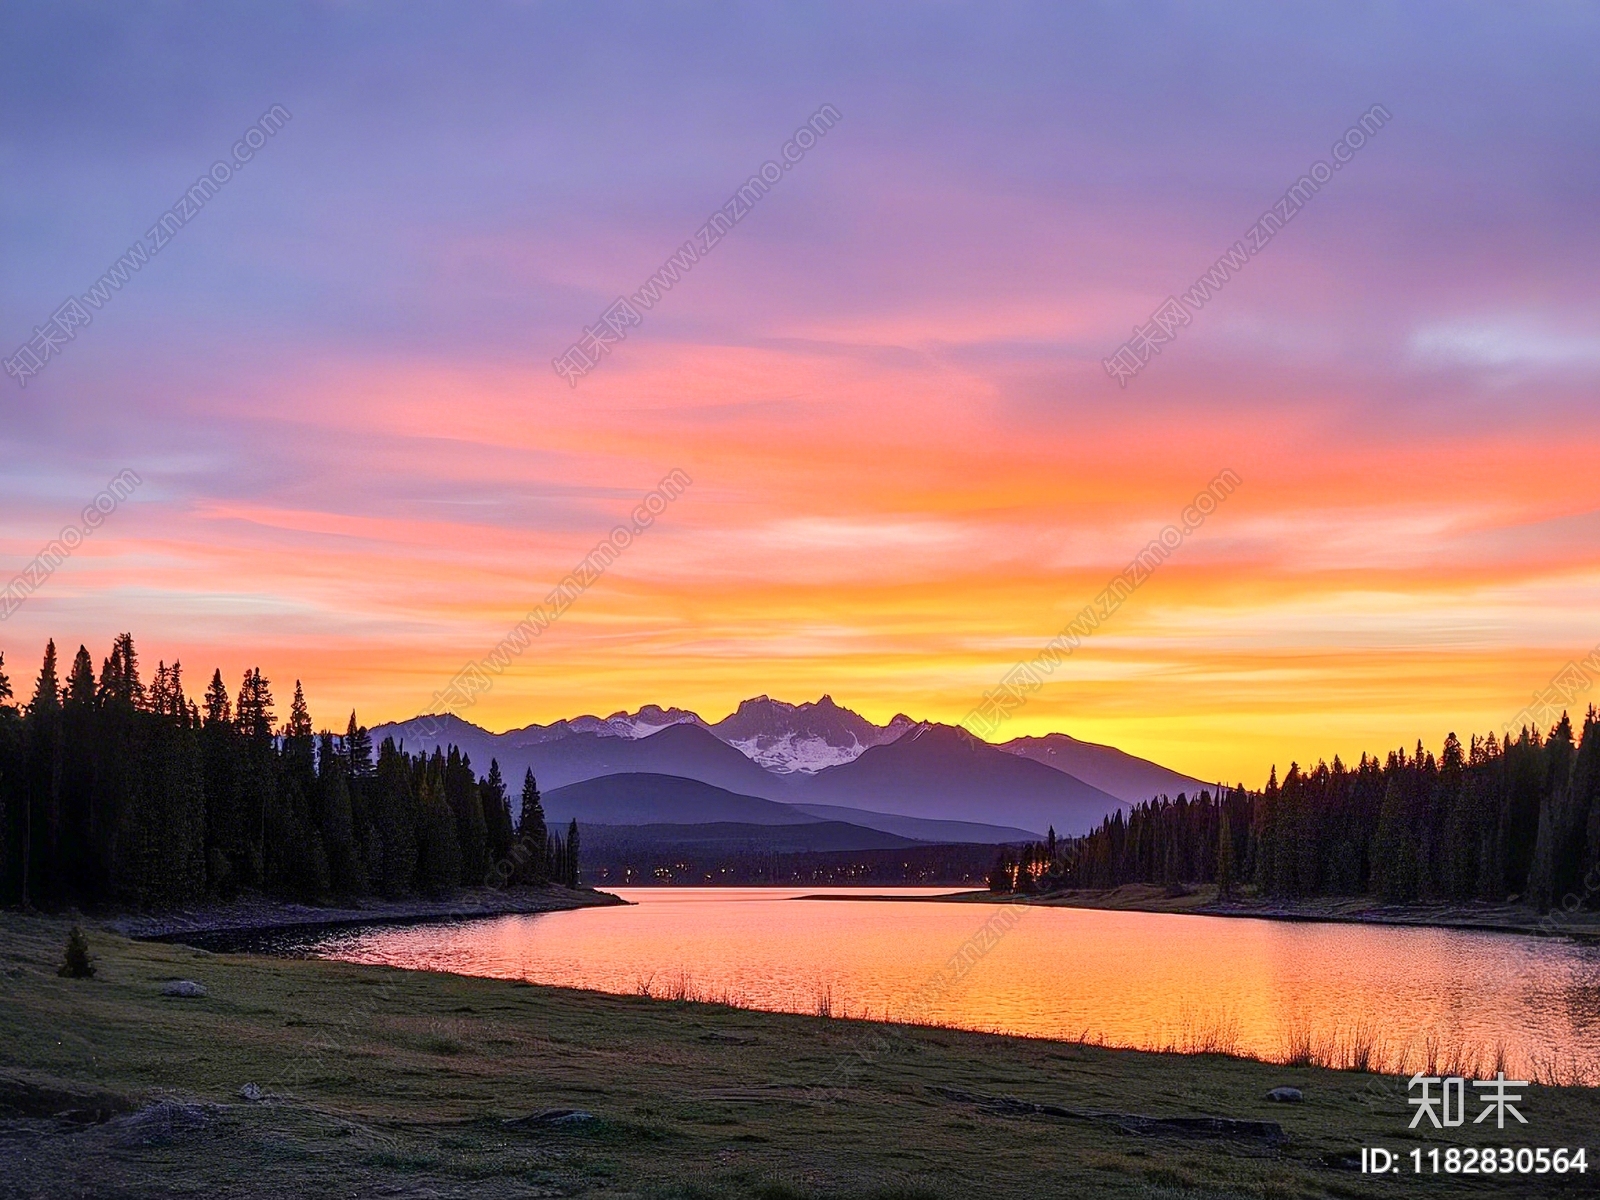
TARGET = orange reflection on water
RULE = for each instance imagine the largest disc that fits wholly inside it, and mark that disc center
(1262, 988)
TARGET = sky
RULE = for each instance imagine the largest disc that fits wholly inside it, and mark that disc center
(910, 467)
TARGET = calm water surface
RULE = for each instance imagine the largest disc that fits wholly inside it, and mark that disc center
(1129, 979)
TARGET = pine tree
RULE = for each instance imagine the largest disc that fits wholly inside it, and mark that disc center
(218, 708)
(335, 819)
(299, 744)
(359, 775)
(571, 879)
(229, 861)
(82, 746)
(161, 834)
(80, 684)
(438, 855)
(119, 677)
(1394, 851)
(394, 820)
(531, 854)
(160, 690)
(260, 807)
(556, 857)
(47, 690)
(496, 807)
(466, 804)
(299, 715)
(253, 710)
(358, 749)
(1224, 856)
(40, 797)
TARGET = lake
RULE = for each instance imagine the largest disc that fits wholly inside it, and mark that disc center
(1397, 998)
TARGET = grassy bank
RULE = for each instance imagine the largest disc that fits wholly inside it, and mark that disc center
(1202, 899)
(394, 1083)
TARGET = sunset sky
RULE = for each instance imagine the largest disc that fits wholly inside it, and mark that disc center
(910, 468)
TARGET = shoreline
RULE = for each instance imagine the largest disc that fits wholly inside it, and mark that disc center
(309, 1077)
(1332, 910)
(261, 915)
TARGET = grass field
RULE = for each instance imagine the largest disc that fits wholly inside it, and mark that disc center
(386, 1083)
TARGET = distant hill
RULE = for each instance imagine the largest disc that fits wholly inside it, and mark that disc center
(921, 828)
(604, 842)
(687, 749)
(479, 744)
(943, 772)
(1105, 767)
(643, 798)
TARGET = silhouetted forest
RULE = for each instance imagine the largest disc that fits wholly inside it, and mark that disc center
(908, 866)
(1493, 821)
(115, 793)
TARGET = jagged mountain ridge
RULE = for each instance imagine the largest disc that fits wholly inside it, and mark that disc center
(806, 737)
(821, 753)
(803, 739)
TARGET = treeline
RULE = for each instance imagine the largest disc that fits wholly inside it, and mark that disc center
(114, 793)
(928, 866)
(1492, 821)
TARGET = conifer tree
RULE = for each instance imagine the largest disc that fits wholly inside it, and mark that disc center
(218, 708)
(395, 822)
(496, 807)
(119, 676)
(47, 690)
(438, 855)
(299, 745)
(42, 795)
(466, 804)
(299, 715)
(534, 864)
(253, 711)
(80, 684)
(228, 827)
(1224, 855)
(358, 748)
(571, 879)
(336, 820)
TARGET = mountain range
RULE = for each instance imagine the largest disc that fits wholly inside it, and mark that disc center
(820, 761)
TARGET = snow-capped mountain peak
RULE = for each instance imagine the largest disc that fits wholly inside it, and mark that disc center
(652, 718)
(809, 737)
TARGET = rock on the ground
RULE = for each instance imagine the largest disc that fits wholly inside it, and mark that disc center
(252, 1093)
(187, 988)
(552, 1118)
(1285, 1095)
